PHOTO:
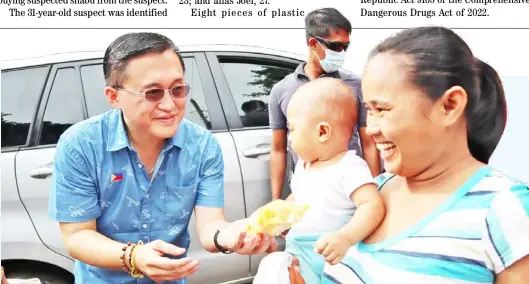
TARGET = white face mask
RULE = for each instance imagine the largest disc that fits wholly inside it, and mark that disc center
(333, 59)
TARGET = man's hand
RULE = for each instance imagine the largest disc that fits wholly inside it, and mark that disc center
(150, 260)
(235, 239)
(333, 247)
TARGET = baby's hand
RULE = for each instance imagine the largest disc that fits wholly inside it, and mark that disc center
(333, 246)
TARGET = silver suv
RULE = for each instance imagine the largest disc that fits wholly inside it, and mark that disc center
(42, 97)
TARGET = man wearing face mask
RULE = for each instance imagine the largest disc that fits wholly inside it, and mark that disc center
(328, 33)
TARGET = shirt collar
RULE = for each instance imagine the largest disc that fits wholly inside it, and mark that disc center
(117, 135)
(119, 139)
(300, 72)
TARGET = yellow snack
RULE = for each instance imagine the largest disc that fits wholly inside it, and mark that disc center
(275, 217)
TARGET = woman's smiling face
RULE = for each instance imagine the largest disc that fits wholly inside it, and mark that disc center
(399, 116)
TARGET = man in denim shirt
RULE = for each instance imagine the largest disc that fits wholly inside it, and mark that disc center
(136, 173)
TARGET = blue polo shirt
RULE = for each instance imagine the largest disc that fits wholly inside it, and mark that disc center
(98, 175)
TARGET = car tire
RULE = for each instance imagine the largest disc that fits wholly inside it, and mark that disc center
(43, 276)
(46, 275)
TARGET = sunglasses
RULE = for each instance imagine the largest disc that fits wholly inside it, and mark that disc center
(332, 45)
(156, 94)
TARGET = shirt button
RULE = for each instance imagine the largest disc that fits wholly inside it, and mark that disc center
(147, 196)
(145, 226)
(140, 166)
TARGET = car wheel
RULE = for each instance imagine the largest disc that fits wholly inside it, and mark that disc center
(44, 278)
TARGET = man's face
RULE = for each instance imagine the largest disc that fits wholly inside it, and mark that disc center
(338, 40)
(159, 119)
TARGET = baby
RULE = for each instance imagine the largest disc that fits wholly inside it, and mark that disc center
(336, 184)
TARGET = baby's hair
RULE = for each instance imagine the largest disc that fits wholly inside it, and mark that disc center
(331, 100)
(342, 106)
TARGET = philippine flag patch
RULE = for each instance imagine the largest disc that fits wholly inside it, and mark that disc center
(116, 177)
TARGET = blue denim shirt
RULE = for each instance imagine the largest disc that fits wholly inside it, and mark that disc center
(98, 175)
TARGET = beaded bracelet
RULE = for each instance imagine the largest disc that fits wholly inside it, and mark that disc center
(122, 257)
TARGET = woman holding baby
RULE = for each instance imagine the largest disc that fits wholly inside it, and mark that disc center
(437, 113)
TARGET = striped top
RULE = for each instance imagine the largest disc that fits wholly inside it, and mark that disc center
(482, 229)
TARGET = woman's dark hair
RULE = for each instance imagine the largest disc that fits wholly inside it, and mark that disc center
(441, 59)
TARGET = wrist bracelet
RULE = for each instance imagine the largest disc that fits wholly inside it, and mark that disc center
(131, 268)
(122, 257)
(219, 247)
(133, 271)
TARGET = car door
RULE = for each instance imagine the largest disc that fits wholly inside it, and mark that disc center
(19, 103)
(244, 81)
(67, 85)
(62, 100)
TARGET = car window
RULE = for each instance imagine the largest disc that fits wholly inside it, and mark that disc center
(93, 82)
(64, 106)
(20, 94)
(196, 109)
(250, 85)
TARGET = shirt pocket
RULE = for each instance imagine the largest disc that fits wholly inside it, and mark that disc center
(179, 203)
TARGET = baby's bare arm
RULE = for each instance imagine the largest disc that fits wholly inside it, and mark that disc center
(368, 216)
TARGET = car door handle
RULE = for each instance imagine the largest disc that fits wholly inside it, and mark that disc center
(256, 152)
(42, 172)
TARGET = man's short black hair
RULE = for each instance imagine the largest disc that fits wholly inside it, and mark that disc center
(130, 45)
(320, 22)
